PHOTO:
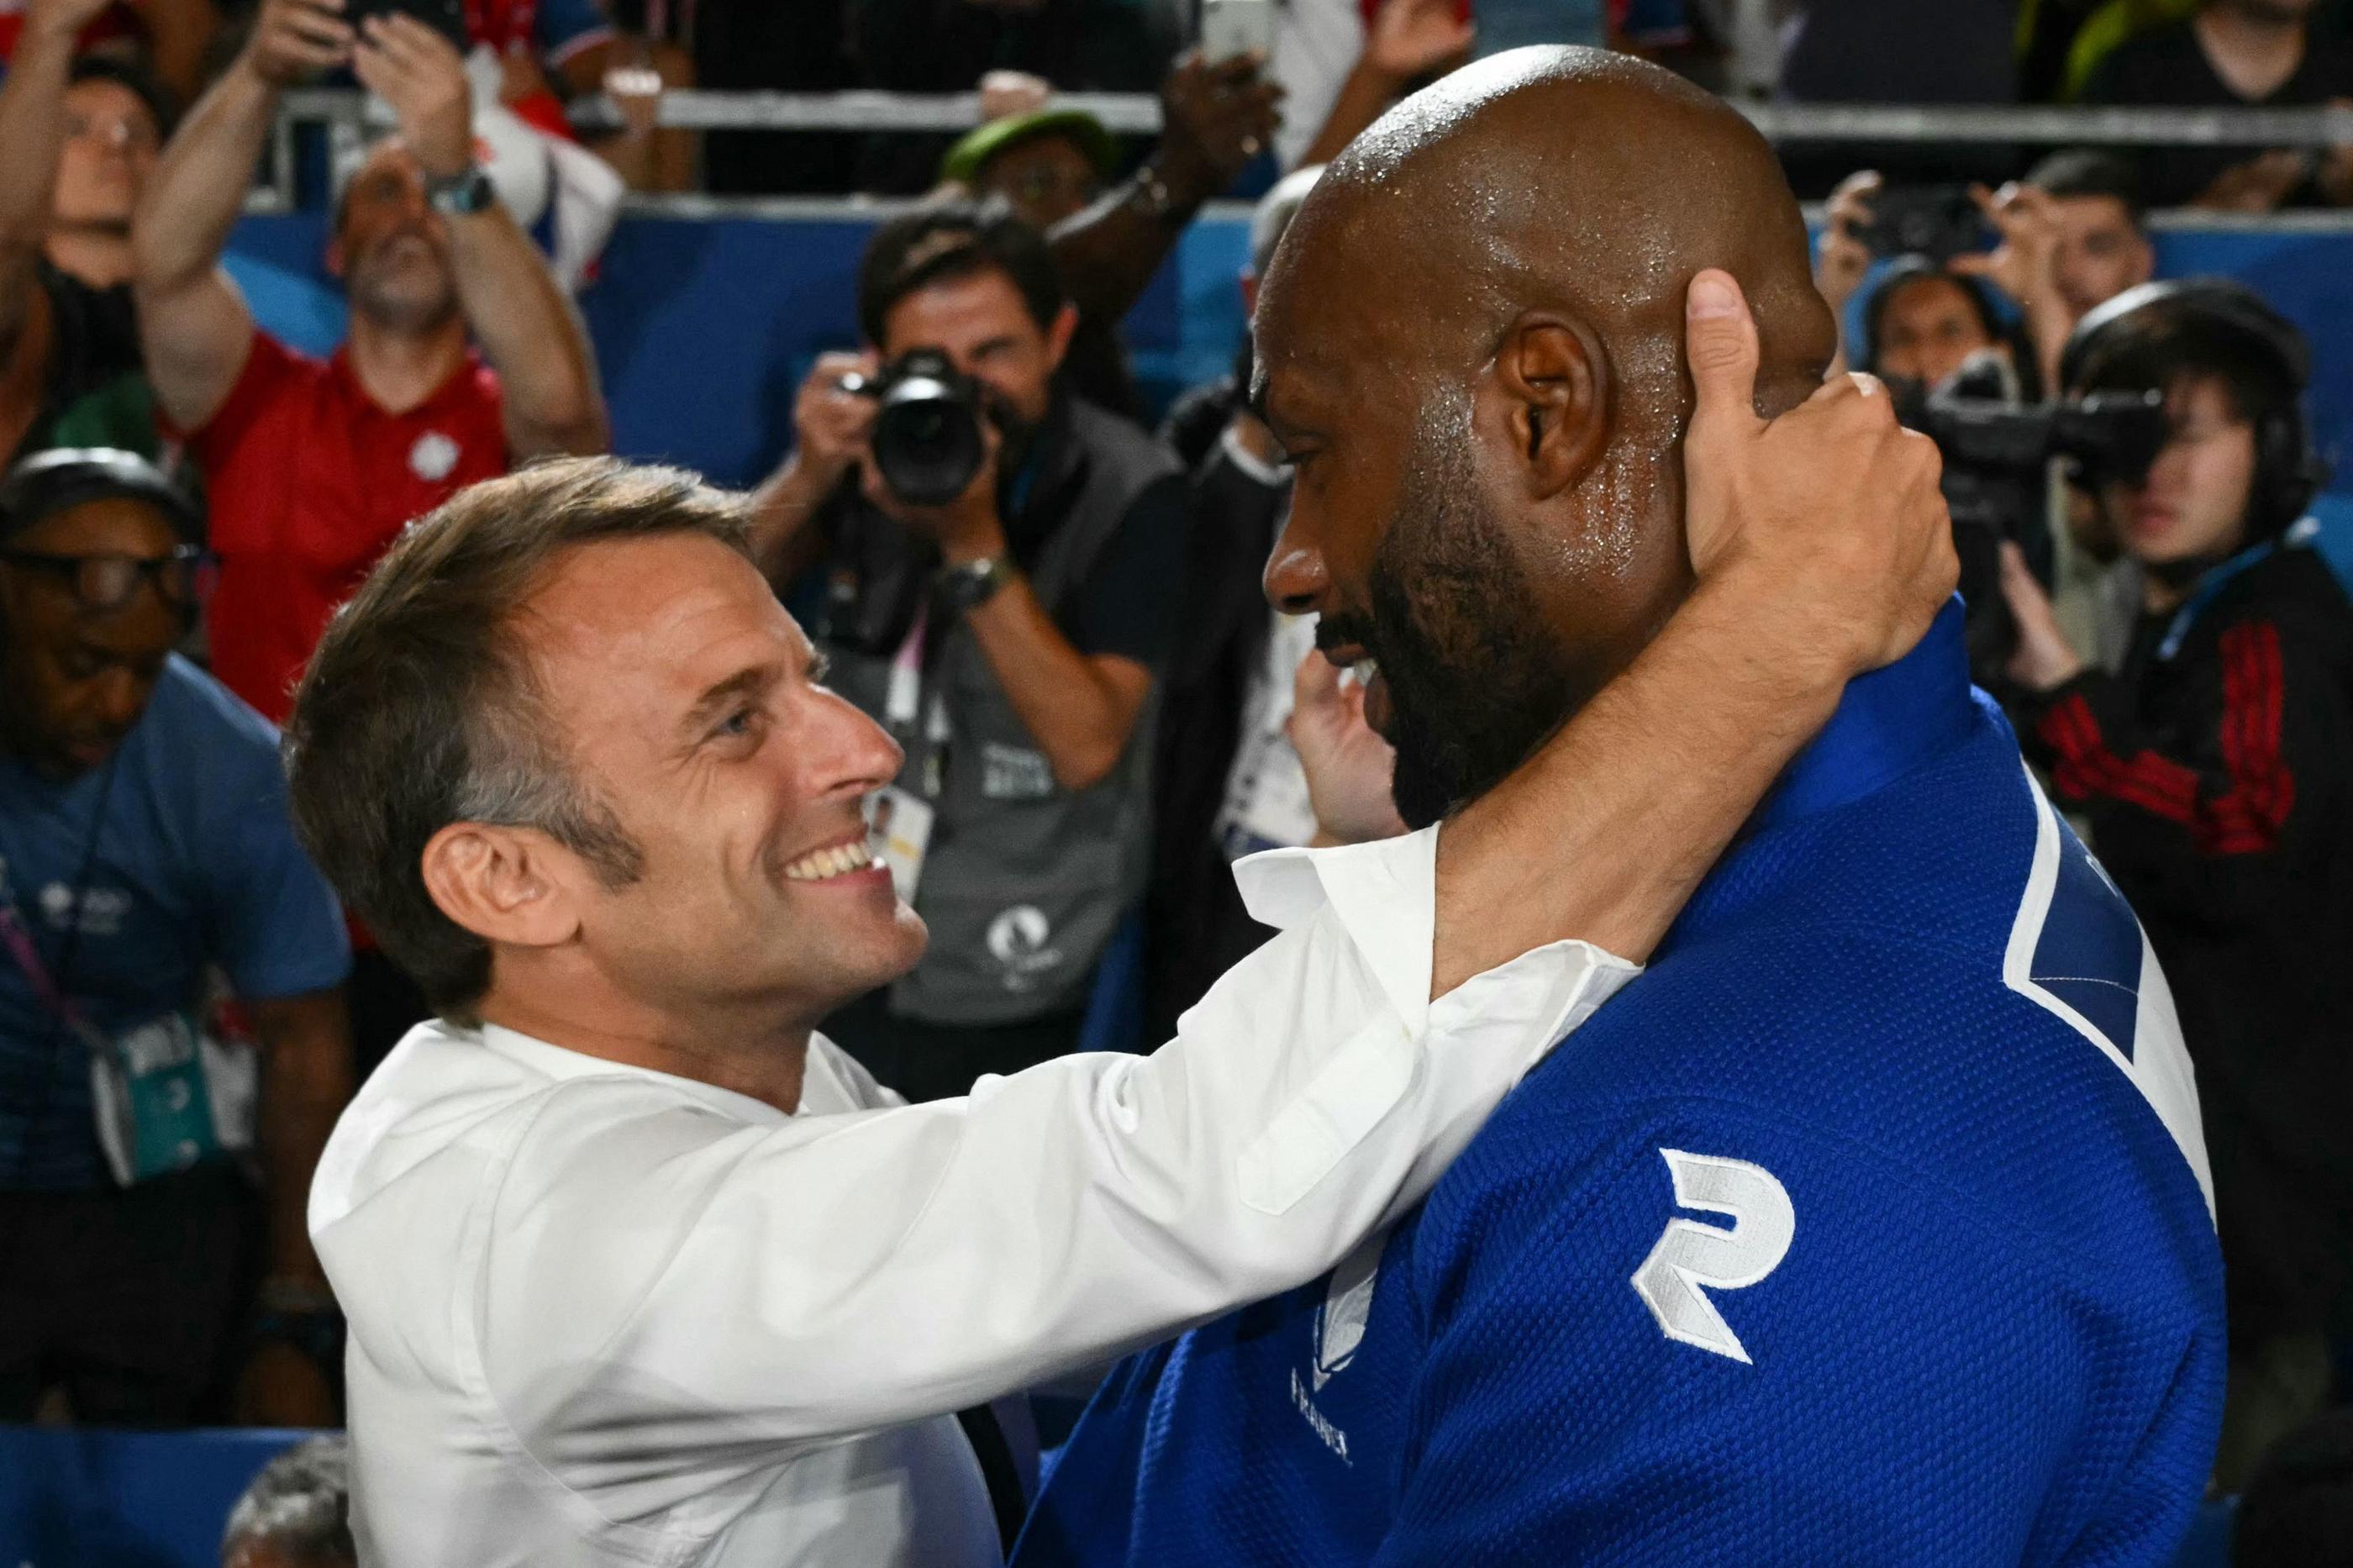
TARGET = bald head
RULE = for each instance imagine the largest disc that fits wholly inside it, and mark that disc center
(1470, 339)
(1570, 180)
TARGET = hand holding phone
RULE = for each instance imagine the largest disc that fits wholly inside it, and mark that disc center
(1232, 27)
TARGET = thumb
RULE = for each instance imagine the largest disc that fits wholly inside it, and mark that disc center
(1720, 340)
(1315, 684)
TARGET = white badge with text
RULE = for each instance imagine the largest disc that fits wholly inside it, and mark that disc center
(899, 828)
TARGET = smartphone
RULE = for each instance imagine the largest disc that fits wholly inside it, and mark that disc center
(1230, 28)
(1939, 222)
(447, 17)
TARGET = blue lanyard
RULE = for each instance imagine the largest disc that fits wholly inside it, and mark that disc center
(2298, 536)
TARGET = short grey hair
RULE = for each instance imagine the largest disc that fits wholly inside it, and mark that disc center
(301, 1504)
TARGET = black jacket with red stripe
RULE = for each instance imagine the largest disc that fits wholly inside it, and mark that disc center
(2219, 787)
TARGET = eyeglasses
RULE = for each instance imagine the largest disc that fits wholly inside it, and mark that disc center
(109, 581)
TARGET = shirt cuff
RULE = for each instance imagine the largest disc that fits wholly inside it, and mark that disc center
(1385, 894)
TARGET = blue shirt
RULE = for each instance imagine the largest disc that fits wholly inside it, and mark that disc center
(1868, 1226)
(195, 864)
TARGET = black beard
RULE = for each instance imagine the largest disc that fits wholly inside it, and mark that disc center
(1475, 682)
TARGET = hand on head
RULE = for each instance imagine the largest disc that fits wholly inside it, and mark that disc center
(1830, 515)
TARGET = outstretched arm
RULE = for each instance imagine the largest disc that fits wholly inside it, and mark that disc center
(1099, 1202)
(528, 330)
(1217, 116)
(192, 324)
(32, 128)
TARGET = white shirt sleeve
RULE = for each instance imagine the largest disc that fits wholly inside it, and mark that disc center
(658, 1280)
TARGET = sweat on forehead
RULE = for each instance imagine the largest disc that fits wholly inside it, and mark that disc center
(1556, 178)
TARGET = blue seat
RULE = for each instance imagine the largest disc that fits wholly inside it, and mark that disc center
(88, 1498)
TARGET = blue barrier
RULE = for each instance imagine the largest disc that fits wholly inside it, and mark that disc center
(84, 1498)
(703, 328)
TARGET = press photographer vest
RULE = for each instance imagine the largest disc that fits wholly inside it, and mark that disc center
(1023, 881)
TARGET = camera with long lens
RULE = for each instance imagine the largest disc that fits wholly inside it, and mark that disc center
(927, 441)
(1996, 459)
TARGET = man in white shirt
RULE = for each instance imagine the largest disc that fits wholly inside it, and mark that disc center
(637, 1269)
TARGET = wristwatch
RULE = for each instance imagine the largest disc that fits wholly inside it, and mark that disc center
(971, 583)
(461, 195)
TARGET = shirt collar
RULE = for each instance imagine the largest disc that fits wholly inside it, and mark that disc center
(1889, 722)
(561, 1062)
(339, 364)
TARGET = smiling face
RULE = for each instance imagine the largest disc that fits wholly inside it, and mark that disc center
(1488, 614)
(74, 682)
(1479, 378)
(2191, 506)
(689, 702)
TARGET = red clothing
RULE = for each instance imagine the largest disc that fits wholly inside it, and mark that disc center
(115, 22)
(308, 482)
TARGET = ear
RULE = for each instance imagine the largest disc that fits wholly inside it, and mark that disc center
(1548, 393)
(1058, 336)
(504, 884)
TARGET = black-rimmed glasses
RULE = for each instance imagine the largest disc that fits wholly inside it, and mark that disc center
(109, 580)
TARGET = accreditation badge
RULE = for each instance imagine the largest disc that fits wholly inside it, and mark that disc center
(898, 830)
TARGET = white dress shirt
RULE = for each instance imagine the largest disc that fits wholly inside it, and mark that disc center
(601, 1315)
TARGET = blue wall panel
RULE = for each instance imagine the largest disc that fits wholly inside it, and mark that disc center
(704, 328)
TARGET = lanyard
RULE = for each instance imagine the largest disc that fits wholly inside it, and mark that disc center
(17, 936)
(2297, 536)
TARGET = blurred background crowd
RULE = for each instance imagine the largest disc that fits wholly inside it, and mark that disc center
(959, 287)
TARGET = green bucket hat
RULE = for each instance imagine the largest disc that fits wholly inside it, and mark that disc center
(965, 159)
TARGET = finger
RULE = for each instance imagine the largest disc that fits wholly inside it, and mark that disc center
(318, 32)
(1987, 202)
(1720, 341)
(313, 57)
(1315, 684)
(409, 40)
(1971, 264)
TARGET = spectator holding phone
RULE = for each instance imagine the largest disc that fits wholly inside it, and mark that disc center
(81, 139)
(464, 356)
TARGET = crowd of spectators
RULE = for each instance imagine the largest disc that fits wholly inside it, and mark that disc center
(1099, 711)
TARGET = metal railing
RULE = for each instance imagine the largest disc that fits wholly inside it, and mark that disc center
(344, 118)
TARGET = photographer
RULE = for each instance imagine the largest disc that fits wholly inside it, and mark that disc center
(1007, 632)
(2217, 773)
(1928, 312)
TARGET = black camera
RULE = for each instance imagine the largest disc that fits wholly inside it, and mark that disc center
(927, 442)
(1996, 458)
(1939, 222)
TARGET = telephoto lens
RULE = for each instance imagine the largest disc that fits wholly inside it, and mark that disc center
(927, 439)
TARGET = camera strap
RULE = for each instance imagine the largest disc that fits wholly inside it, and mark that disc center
(903, 709)
(2298, 536)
